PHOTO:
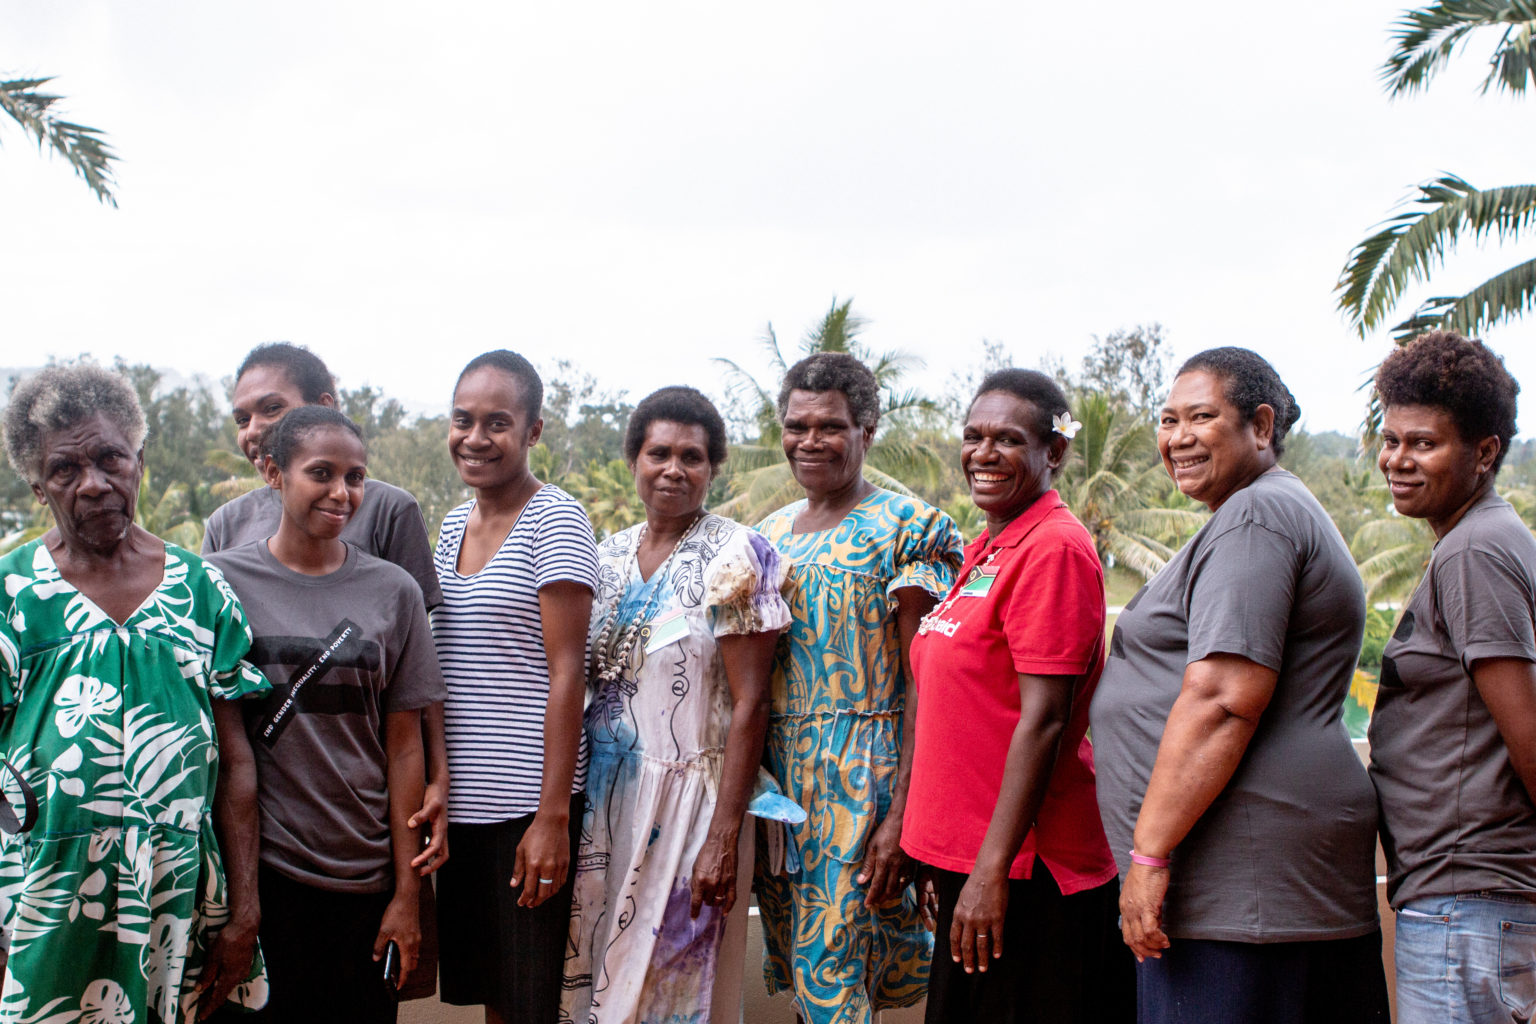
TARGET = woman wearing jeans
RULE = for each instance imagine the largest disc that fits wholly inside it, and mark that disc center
(1453, 735)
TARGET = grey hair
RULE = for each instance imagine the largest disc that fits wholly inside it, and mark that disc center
(57, 398)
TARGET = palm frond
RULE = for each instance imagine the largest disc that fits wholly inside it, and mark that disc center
(1503, 297)
(1426, 38)
(1412, 243)
(1393, 572)
(85, 148)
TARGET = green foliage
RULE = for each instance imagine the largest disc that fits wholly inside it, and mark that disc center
(1410, 246)
(1413, 243)
(374, 414)
(1131, 368)
(1378, 630)
(1426, 38)
(583, 423)
(415, 457)
(85, 148)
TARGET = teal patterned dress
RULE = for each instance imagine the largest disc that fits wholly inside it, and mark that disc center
(834, 737)
(108, 903)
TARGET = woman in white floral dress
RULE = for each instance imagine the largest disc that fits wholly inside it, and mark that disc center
(684, 625)
(119, 658)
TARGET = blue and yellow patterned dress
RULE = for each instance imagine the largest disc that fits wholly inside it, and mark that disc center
(834, 738)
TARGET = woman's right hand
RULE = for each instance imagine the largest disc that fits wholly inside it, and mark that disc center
(1141, 910)
(976, 932)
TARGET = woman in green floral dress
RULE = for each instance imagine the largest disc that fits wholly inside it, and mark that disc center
(119, 657)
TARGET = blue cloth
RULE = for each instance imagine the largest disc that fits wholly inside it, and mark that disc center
(1467, 959)
(1205, 981)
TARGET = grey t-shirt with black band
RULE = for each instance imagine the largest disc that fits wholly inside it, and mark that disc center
(1455, 816)
(1286, 852)
(388, 525)
(342, 651)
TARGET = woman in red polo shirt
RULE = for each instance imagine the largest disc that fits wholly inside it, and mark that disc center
(1002, 808)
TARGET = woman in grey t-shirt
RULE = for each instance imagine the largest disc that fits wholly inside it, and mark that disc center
(1243, 824)
(1453, 735)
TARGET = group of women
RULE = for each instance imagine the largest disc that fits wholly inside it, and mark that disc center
(278, 742)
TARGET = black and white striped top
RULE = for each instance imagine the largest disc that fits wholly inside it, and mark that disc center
(491, 646)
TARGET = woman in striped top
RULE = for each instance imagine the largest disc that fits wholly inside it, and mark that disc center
(518, 567)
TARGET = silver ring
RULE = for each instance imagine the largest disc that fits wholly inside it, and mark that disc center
(983, 935)
(546, 881)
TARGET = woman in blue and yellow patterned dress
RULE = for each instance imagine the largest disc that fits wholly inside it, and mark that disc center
(839, 910)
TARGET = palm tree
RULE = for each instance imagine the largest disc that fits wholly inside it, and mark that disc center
(1115, 483)
(607, 491)
(85, 148)
(1391, 554)
(760, 480)
(1412, 244)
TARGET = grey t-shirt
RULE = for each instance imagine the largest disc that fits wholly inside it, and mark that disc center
(1455, 817)
(388, 525)
(1287, 850)
(359, 640)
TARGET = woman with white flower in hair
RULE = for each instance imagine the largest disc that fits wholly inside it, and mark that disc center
(1002, 810)
(120, 660)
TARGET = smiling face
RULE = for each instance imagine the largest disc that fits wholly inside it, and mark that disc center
(322, 486)
(1007, 466)
(1431, 470)
(1206, 447)
(672, 471)
(263, 395)
(489, 432)
(823, 444)
(90, 482)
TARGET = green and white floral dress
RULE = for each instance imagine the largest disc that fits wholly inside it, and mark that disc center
(108, 903)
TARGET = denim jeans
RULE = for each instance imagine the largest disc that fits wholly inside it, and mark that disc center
(1467, 959)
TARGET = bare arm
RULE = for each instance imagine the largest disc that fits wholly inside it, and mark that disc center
(1045, 705)
(1208, 731)
(885, 867)
(434, 803)
(239, 832)
(748, 661)
(1508, 687)
(402, 920)
(544, 855)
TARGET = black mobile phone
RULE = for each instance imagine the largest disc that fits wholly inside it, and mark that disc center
(392, 969)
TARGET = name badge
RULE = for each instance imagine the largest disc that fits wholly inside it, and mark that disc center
(980, 582)
(664, 630)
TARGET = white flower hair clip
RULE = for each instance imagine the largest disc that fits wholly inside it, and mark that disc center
(1065, 425)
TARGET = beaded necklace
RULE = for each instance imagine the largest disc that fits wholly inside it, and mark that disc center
(943, 606)
(608, 667)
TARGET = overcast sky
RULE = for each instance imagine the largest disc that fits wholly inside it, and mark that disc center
(641, 186)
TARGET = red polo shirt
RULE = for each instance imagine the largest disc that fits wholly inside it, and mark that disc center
(1041, 614)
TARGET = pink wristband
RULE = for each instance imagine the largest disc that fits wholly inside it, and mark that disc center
(1151, 862)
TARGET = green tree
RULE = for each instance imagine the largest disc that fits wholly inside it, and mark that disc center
(415, 456)
(1392, 553)
(1130, 367)
(1412, 244)
(85, 148)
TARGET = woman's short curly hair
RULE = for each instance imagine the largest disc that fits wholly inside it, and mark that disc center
(57, 398)
(1248, 381)
(1033, 387)
(676, 404)
(1461, 375)
(305, 370)
(530, 386)
(283, 438)
(835, 371)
